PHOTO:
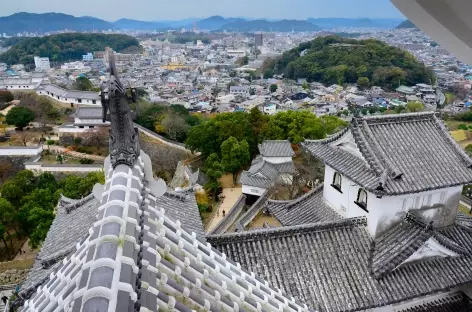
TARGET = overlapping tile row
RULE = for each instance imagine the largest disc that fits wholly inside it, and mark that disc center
(396, 245)
(183, 206)
(180, 272)
(328, 265)
(455, 303)
(276, 148)
(61, 238)
(136, 258)
(309, 208)
(397, 154)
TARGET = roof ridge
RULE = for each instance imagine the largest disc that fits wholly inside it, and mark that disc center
(398, 116)
(290, 230)
(292, 202)
(330, 138)
(365, 148)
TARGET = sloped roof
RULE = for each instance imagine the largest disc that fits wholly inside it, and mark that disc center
(136, 257)
(456, 303)
(404, 153)
(328, 266)
(62, 236)
(309, 208)
(89, 112)
(276, 148)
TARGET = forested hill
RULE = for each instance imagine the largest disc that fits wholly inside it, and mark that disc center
(31, 22)
(406, 24)
(340, 60)
(65, 47)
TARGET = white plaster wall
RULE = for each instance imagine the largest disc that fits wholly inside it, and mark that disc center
(277, 160)
(38, 167)
(252, 190)
(20, 151)
(385, 211)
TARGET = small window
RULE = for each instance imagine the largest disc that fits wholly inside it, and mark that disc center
(337, 180)
(94, 102)
(362, 199)
(79, 100)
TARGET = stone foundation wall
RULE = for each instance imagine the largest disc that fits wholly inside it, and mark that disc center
(13, 276)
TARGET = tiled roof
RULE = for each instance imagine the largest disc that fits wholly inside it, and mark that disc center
(328, 266)
(89, 112)
(309, 208)
(137, 258)
(276, 148)
(247, 179)
(62, 237)
(405, 153)
(456, 303)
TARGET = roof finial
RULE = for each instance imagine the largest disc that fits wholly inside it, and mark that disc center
(124, 137)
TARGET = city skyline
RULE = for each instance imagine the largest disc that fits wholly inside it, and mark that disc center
(152, 10)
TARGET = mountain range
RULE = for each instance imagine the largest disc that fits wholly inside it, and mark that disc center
(50, 22)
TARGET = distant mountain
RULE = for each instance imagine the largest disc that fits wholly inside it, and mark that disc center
(215, 22)
(329, 23)
(264, 25)
(48, 22)
(406, 24)
(130, 24)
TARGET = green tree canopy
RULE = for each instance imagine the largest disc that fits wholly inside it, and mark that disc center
(234, 155)
(214, 171)
(363, 82)
(83, 84)
(333, 59)
(19, 116)
(415, 106)
(273, 87)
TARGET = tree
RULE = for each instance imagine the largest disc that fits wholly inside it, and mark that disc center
(462, 127)
(6, 97)
(19, 116)
(306, 86)
(415, 106)
(21, 138)
(214, 171)
(6, 170)
(273, 88)
(234, 155)
(363, 82)
(96, 137)
(7, 215)
(175, 127)
(83, 84)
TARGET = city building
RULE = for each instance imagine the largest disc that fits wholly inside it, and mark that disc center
(258, 39)
(42, 63)
(86, 118)
(239, 90)
(87, 57)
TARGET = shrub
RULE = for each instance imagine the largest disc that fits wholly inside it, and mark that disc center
(50, 142)
(462, 127)
(86, 161)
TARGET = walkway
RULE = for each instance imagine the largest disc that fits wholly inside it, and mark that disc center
(231, 197)
(29, 253)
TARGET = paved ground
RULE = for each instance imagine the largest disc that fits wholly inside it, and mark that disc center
(231, 196)
(29, 253)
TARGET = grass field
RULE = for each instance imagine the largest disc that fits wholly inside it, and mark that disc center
(459, 135)
(453, 124)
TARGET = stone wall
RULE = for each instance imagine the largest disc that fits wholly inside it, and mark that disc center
(13, 276)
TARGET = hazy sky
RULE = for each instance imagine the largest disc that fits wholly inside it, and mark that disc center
(177, 9)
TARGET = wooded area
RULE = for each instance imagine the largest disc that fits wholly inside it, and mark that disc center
(336, 60)
(65, 47)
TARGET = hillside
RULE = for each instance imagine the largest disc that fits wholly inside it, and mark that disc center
(65, 47)
(215, 22)
(406, 24)
(263, 25)
(329, 23)
(48, 22)
(340, 60)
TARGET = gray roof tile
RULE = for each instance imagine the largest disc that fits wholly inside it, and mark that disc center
(276, 148)
(397, 154)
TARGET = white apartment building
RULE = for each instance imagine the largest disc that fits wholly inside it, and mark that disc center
(87, 57)
(42, 63)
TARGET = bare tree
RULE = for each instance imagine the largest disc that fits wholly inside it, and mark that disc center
(6, 170)
(174, 126)
(21, 137)
(164, 159)
(96, 137)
